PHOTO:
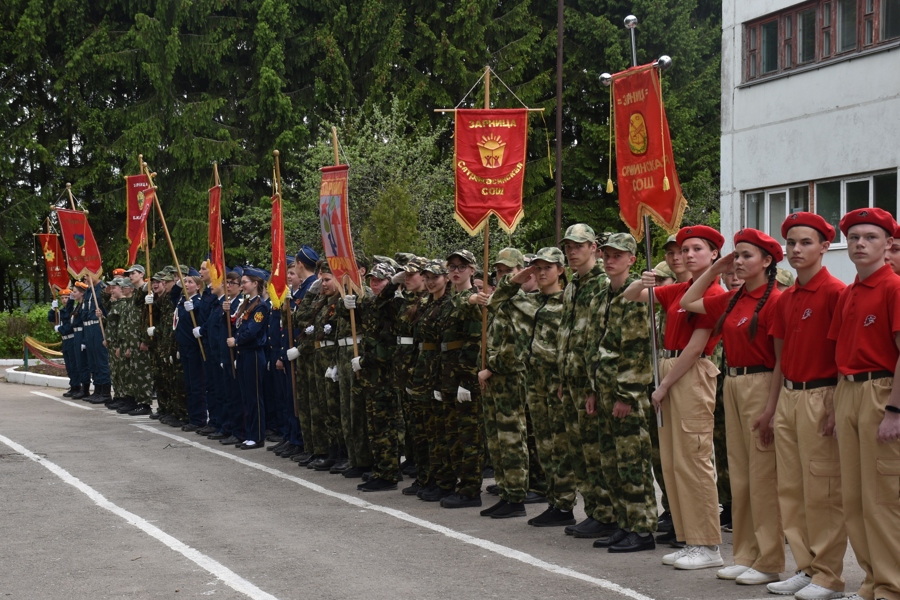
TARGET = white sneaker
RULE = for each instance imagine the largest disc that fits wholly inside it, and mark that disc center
(817, 592)
(669, 559)
(754, 577)
(791, 586)
(700, 557)
(732, 572)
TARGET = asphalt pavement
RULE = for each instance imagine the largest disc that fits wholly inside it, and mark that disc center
(101, 505)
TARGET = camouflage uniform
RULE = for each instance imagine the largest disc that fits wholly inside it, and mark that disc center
(315, 440)
(140, 367)
(329, 394)
(114, 343)
(621, 373)
(537, 317)
(168, 376)
(353, 390)
(583, 430)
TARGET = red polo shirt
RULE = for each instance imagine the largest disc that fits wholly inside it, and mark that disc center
(678, 328)
(739, 349)
(865, 322)
(802, 320)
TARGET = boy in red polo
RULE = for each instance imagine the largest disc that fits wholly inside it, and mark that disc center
(809, 468)
(866, 328)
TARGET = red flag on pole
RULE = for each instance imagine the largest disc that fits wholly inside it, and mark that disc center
(216, 262)
(648, 183)
(140, 201)
(278, 286)
(489, 165)
(334, 216)
(82, 254)
(57, 277)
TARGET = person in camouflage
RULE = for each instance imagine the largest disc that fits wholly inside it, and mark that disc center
(135, 330)
(113, 345)
(129, 351)
(620, 375)
(167, 373)
(579, 245)
(460, 390)
(536, 319)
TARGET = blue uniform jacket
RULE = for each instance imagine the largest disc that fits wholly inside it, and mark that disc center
(184, 326)
(252, 325)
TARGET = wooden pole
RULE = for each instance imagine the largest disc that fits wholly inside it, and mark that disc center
(487, 236)
(162, 220)
(149, 272)
(218, 183)
(559, 109)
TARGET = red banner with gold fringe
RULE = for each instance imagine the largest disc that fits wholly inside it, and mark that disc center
(278, 285)
(334, 216)
(82, 254)
(140, 201)
(57, 277)
(216, 262)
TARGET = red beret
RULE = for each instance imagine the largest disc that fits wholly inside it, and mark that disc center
(808, 219)
(760, 240)
(702, 232)
(869, 216)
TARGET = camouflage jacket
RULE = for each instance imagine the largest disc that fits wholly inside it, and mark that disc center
(536, 319)
(131, 332)
(113, 325)
(574, 345)
(364, 304)
(461, 327)
(379, 328)
(620, 363)
(304, 316)
(504, 351)
(429, 325)
(326, 315)
(408, 309)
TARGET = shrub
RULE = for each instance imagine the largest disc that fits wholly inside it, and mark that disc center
(15, 325)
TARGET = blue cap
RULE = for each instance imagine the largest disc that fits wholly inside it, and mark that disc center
(290, 261)
(239, 270)
(255, 272)
(192, 272)
(308, 256)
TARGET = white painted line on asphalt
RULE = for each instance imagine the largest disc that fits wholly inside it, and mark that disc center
(75, 404)
(399, 514)
(229, 577)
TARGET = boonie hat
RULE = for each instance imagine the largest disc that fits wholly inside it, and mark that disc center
(784, 277)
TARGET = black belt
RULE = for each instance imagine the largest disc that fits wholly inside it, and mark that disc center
(738, 371)
(868, 376)
(809, 385)
(676, 354)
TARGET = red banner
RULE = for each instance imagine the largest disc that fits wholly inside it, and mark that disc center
(57, 277)
(648, 183)
(334, 217)
(278, 285)
(82, 254)
(140, 201)
(216, 263)
(489, 164)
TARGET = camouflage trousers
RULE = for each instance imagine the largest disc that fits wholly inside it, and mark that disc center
(625, 461)
(317, 434)
(548, 416)
(462, 435)
(120, 385)
(506, 432)
(168, 381)
(440, 466)
(584, 445)
(140, 376)
(537, 479)
(415, 416)
(381, 416)
(179, 393)
(723, 481)
(353, 410)
(329, 397)
(302, 399)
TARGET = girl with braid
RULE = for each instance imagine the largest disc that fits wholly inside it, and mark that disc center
(753, 380)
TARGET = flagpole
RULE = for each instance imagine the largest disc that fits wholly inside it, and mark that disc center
(90, 276)
(218, 183)
(487, 236)
(286, 314)
(184, 291)
(149, 273)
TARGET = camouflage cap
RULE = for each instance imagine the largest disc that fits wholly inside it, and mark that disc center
(125, 282)
(663, 270)
(463, 254)
(510, 257)
(324, 267)
(415, 264)
(381, 271)
(403, 257)
(113, 281)
(672, 239)
(376, 259)
(168, 269)
(621, 241)
(579, 233)
(163, 276)
(436, 266)
(550, 254)
(784, 277)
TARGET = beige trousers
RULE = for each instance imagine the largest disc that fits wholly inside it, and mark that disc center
(809, 486)
(686, 450)
(871, 485)
(758, 538)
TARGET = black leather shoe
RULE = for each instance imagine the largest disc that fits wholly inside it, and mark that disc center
(553, 517)
(72, 390)
(511, 509)
(219, 435)
(377, 485)
(114, 405)
(571, 529)
(534, 498)
(614, 538)
(411, 490)
(322, 464)
(140, 411)
(634, 543)
(81, 392)
(340, 466)
(276, 447)
(248, 445)
(230, 441)
(435, 495)
(460, 501)
(295, 451)
(126, 408)
(156, 416)
(664, 523)
(303, 456)
(208, 429)
(285, 447)
(493, 489)
(274, 437)
(493, 508)
(667, 537)
(190, 427)
(356, 472)
(591, 528)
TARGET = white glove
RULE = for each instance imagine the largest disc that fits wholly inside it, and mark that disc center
(148, 299)
(54, 304)
(335, 376)
(349, 301)
(178, 355)
(399, 278)
(463, 395)
(83, 347)
(309, 330)
(268, 365)
(328, 372)
(354, 362)
(151, 331)
(188, 306)
(56, 328)
(327, 328)
(293, 354)
(196, 332)
(171, 362)
(438, 395)
(409, 391)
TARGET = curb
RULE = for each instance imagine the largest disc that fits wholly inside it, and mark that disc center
(28, 378)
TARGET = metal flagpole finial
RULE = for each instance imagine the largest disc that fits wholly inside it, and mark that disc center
(663, 63)
(631, 22)
(606, 79)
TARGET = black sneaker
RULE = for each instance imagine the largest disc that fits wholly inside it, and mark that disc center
(457, 500)
(664, 524)
(377, 485)
(435, 495)
(493, 489)
(156, 416)
(141, 410)
(355, 472)
(553, 517)
(208, 429)
(488, 473)
(190, 427)
(411, 490)
(534, 498)
(511, 509)
(126, 408)
(494, 508)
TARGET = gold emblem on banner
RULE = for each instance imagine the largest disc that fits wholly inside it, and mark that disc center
(637, 134)
(491, 148)
(140, 200)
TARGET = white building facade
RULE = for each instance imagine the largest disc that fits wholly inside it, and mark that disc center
(810, 113)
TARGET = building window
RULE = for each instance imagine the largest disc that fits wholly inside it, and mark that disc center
(766, 210)
(817, 31)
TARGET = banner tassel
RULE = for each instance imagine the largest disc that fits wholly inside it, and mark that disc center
(612, 133)
(609, 185)
(665, 183)
(662, 126)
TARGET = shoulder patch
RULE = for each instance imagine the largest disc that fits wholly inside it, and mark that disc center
(258, 317)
